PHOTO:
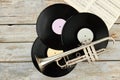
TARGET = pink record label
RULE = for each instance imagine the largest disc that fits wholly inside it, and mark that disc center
(58, 25)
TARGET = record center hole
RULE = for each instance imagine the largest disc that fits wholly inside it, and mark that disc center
(89, 39)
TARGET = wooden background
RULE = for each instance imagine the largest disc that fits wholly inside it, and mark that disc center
(17, 33)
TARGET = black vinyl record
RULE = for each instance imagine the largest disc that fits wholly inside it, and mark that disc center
(50, 24)
(83, 21)
(39, 50)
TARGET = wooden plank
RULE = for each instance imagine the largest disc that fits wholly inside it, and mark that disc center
(112, 51)
(83, 71)
(27, 33)
(17, 33)
(11, 52)
(15, 51)
(23, 11)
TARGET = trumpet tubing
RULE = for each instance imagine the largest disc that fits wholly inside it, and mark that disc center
(90, 54)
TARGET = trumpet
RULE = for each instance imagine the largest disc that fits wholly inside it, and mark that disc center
(91, 54)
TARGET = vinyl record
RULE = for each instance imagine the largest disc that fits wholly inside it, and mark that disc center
(52, 70)
(84, 28)
(51, 22)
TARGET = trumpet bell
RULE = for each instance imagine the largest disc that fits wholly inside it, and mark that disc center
(39, 50)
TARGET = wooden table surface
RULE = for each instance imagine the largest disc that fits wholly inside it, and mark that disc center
(17, 33)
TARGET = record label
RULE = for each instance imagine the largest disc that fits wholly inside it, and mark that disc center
(85, 36)
(40, 50)
(50, 24)
(52, 52)
(58, 25)
(84, 28)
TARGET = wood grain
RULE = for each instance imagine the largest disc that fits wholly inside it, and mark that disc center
(17, 33)
(83, 71)
(27, 33)
(15, 52)
(11, 52)
(23, 11)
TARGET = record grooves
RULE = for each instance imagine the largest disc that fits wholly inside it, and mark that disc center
(81, 21)
(60, 27)
(53, 70)
(50, 23)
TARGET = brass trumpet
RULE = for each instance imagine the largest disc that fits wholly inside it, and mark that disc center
(90, 54)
